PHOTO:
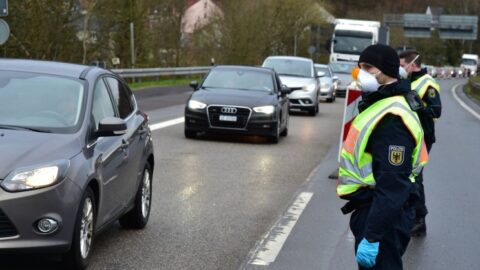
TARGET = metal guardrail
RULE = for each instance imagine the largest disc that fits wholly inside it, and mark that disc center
(475, 85)
(156, 72)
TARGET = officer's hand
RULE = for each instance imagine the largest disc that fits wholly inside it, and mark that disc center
(367, 253)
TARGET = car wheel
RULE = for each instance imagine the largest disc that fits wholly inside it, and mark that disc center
(276, 136)
(284, 133)
(313, 111)
(137, 218)
(79, 255)
(190, 134)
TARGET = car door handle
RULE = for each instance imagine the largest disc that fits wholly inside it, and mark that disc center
(125, 143)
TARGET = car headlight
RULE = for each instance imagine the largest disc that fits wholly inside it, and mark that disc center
(264, 109)
(196, 105)
(23, 179)
(309, 87)
(325, 88)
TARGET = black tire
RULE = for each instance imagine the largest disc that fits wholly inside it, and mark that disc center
(190, 134)
(137, 218)
(78, 257)
(313, 111)
(276, 136)
(284, 133)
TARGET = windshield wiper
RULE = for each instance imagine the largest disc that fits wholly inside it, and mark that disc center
(291, 75)
(13, 127)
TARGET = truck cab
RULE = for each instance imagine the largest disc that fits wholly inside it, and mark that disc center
(470, 62)
(351, 37)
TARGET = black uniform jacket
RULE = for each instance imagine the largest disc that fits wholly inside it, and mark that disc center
(389, 141)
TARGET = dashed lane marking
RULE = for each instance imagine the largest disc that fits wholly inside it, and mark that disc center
(168, 123)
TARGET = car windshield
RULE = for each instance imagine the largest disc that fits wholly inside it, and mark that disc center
(343, 67)
(351, 42)
(39, 102)
(290, 67)
(469, 62)
(324, 70)
(239, 79)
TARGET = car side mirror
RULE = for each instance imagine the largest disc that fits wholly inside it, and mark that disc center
(111, 126)
(285, 90)
(320, 74)
(335, 78)
(194, 85)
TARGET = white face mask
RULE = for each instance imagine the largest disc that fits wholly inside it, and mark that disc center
(367, 82)
(403, 73)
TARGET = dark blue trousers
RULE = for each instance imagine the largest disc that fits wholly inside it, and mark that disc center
(394, 243)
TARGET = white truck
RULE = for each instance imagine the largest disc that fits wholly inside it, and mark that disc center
(350, 37)
(470, 62)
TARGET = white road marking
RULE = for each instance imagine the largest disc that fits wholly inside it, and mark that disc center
(269, 247)
(465, 106)
(168, 123)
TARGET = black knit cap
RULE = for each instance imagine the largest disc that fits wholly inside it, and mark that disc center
(383, 57)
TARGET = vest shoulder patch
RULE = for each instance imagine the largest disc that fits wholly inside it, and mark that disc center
(396, 154)
(432, 92)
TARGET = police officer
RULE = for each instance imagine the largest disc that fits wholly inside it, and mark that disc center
(383, 152)
(429, 91)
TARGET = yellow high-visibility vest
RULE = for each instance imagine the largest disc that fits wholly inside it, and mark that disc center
(356, 165)
(421, 85)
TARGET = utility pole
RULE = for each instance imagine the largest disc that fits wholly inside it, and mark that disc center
(132, 44)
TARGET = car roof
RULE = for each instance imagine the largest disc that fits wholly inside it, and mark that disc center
(249, 68)
(45, 67)
(321, 65)
(290, 58)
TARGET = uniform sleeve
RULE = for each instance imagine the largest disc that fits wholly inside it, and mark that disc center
(391, 146)
(434, 103)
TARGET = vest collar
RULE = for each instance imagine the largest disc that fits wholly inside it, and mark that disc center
(400, 87)
(416, 75)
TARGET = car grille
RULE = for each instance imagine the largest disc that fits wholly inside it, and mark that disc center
(242, 114)
(6, 227)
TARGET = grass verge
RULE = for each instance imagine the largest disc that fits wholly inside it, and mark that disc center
(472, 91)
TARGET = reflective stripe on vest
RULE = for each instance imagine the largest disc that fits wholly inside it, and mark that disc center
(421, 85)
(356, 165)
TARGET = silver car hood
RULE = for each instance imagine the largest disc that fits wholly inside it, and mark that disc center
(297, 82)
(26, 148)
(345, 79)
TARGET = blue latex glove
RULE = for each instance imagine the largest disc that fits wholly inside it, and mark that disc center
(367, 253)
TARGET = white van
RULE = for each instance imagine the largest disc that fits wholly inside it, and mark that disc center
(470, 61)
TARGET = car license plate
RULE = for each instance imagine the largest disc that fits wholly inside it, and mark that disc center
(229, 118)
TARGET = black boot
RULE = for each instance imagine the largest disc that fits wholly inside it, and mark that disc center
(420, 228)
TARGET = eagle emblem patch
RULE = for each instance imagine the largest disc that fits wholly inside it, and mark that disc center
(396, 154)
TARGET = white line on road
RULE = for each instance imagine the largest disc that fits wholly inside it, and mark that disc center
(168, 123)
(465, 106)
(270, 246)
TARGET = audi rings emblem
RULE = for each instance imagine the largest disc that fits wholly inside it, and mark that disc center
(230, 110)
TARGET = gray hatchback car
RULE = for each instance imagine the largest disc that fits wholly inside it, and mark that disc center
(76, 155)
